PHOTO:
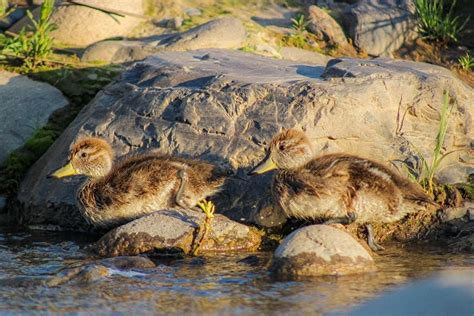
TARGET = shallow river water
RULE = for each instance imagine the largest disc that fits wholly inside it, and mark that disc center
(407, 281)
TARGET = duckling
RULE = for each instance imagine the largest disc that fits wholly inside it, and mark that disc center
(337, 187)
(116, 193)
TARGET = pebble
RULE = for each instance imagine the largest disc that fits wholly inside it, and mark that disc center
(193, 12)
(175, 22)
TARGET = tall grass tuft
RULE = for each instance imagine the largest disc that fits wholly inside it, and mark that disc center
(438, 156)
(34, 45)
(41, 42)
(299, 36)
(436, 22)
(425, 172)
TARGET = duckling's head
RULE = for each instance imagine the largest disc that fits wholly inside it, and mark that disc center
(289, 149)
(91, 156)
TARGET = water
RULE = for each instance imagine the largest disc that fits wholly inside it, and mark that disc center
(214, 284)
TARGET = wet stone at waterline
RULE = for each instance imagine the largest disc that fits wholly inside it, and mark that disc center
(177, 229)
(320, 250)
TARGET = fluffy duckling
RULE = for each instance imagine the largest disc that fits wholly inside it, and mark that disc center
(118, 193)
(337, 187)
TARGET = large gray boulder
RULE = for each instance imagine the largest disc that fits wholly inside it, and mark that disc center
(82, 25)
(25, 106)
(225, 106)
(227, 32)
(379, 27)
(320, 250)
(177, 229)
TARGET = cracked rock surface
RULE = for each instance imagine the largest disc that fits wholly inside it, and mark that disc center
(224, 106)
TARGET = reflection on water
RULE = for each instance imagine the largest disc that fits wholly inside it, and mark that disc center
(213, 284)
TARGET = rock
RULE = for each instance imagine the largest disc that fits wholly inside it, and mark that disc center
(176, 229)
(379, 27)
(213, 34)
(128, 262)
(454, 230)
(175, 23)
(451, 213)
(79, 25)
(267, 50)
(470, 214)
(92, 273)
(325, 27)
(12, 18)
(320, 250)
(117, 51)
(100, 270)
(193, 12)
(331, 4)
(301, 55)
(3, 202)
(81, 275)
(224, 106)
(25, 106)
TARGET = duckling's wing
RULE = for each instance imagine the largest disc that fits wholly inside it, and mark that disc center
(140, 177)
(333, 168)
(296, 183)
(318, 179)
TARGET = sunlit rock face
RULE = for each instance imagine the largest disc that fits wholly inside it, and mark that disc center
(380, 27)
(213, 34)
(224, 106)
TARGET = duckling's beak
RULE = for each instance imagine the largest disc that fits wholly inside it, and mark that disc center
(67, 170)
(266, 165)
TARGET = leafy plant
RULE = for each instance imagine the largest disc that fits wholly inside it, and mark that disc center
(299, 36)
(34, 46)
(299, 24)
(466, 61)
(436, 23)
(424, 172)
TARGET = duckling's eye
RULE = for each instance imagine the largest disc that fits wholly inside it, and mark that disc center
(281, 147)
(83, 155)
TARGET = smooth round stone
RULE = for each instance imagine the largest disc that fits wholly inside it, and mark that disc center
(128, 262)
(320, 250)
